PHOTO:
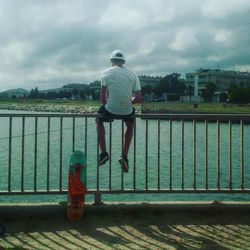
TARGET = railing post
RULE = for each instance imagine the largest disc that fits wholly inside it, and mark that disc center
(98, 199)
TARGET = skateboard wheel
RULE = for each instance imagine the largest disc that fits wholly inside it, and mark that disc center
(74, 214)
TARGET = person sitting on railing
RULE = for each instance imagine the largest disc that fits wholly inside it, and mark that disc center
(120, 88)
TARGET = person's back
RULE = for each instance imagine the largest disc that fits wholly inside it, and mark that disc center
(120, 88)
(121, 84)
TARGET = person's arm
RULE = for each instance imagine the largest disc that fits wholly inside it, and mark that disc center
(137, 91)
(103, 94)
(137, 98)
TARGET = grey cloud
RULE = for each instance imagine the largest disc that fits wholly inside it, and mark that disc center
(54, 42)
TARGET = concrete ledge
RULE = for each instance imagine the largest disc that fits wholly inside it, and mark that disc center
(111, 208)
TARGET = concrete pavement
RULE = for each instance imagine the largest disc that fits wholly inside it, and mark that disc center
(128, 226)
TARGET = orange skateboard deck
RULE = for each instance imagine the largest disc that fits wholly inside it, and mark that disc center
(76, 186)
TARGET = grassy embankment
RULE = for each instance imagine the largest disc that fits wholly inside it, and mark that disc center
(189, 107)
(145, 106)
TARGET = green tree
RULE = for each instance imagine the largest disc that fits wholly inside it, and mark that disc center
(34, 93)
(240, 95)
(31, 94)
(95, 94)
(146, 90)
(52, 95)
(82, 94)
(64, 94)
(75, 92)
(208, 93)
(157, 90)
(190, 91)
(87, 92)
(232, 88)
(172, 84)
(223, 97)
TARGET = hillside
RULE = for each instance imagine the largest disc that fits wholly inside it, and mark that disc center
(19, 92)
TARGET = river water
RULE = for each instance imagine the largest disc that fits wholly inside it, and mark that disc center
(158, 170)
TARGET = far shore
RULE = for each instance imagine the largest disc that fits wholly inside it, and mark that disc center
(68, 106)
(49, 108)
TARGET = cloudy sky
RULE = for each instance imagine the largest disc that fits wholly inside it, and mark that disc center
(46, 44)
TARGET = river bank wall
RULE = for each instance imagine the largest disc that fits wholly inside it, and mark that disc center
(57, 108)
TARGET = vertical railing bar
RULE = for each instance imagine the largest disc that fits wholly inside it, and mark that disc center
(170, 154)
(22, 160)
(146, 156)
(86, 146)
(134, 174)
(194, 152)
(242, 153)
(122, 138)
(48, 154)
(110, 156)
(206, 153)
(35, 155)
(97, 169)
(73, 133)
(182, 154)
(10, 153)
(230, 155)
(218, 154)
(61, 152)
(159, 155)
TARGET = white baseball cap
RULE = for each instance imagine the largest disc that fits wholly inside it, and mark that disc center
(117, 54)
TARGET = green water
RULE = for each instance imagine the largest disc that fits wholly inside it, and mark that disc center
(49, 167)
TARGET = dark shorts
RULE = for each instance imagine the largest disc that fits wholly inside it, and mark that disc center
(109, 117)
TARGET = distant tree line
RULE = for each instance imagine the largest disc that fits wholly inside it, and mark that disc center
(74, 93)
(239, 94)
(208, 92)
(235, 94)
(170, 84)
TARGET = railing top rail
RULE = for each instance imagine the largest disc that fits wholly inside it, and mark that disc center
(198, 116)
(49, 115)
(160, 116)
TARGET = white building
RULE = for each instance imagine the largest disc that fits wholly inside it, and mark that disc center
(149, 80)
(222, 78)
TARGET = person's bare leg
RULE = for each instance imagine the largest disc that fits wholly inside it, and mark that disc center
(128, 137)
(101, 134)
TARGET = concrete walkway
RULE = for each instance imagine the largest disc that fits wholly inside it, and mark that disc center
(127, 226)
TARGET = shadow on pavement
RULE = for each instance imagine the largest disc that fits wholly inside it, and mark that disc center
(127, 226)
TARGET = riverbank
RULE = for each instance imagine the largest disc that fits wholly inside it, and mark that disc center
(186, 107)
(80, 107)
(69, 106)
(50, 107)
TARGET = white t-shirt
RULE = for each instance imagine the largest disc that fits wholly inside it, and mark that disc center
(121, 84)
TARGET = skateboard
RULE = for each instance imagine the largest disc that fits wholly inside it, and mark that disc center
(76, 186)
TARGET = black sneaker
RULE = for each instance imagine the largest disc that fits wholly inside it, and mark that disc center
(103, 158)
(123, 160)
